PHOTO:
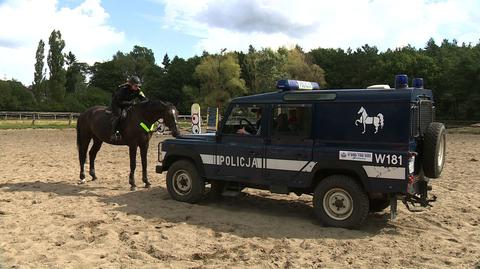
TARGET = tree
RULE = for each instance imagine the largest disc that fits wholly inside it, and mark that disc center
(219, 77)
(76, 74)
(297, 67)
(166, 61)
(39, 75)
(14, 96)
(55, 64)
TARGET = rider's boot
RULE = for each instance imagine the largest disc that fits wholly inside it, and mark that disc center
(116, 136)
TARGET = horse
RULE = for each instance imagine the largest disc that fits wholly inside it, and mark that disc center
(136, 129)
(365, 119)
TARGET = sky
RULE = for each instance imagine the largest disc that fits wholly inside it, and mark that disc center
(94, 30)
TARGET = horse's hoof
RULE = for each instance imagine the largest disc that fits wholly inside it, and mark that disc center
(133, 188)
(147, 186)
(81, 181)
(94, 178)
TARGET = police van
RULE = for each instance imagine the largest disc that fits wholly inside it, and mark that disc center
(354, 150)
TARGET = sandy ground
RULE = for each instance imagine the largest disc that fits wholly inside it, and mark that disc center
(48, 221)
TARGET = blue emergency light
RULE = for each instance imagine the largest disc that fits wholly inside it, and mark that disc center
(401, 81)
(293, 85)
(418, 83)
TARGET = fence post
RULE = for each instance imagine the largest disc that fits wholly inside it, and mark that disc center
(69, 119)
(33, 118)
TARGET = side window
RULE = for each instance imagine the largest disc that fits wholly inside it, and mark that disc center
(244, 120)
(292, 120)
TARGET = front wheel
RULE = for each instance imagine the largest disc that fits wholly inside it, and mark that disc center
(183, 182)
(340, 201)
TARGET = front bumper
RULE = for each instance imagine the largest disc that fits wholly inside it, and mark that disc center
(159, 168)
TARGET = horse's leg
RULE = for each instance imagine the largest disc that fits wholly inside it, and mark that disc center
(97, 143)
(133, 160)
(143, 155)
(82, 143)
(364, 125)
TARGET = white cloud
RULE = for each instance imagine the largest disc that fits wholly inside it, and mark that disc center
(24, 22)
(311, 24)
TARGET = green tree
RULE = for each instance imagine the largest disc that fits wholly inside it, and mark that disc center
(55, 60)
(269, 67)
(38, 86)
(76, 74)
(107, 76)
(14, 96)
(297, 67)
(166, 61)
(219, 77)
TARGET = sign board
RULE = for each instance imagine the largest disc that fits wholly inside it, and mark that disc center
(212, 119)
(196, 119)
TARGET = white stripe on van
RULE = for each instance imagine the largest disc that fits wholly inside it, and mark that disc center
(384, 172)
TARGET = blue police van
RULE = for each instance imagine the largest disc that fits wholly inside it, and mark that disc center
(354, 150)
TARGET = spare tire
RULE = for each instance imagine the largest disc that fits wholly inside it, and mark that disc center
(434, 146)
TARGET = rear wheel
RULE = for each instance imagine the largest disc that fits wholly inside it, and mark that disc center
(434, 150)
(183, 182)
(340, 201)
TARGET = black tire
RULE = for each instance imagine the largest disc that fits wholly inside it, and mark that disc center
(352, 207)
(183, 182)
(379, 204)
(433, 157)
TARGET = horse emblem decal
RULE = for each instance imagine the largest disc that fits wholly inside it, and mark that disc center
(365, 119)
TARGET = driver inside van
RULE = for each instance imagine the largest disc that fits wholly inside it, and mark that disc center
(257, 124)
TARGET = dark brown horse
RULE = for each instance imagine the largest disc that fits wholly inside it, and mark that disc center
(95, 123)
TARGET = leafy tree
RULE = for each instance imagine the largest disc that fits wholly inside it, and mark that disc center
(55, 64)
(76, 74)
(219, 78)
(297, 67)
(107, 76)
(39, 75)
(14, 96)
(166, 61)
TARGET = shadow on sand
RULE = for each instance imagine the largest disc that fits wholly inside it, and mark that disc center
(245, 216)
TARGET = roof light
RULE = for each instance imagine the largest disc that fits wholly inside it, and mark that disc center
(418, 83)
(401, 81)
(292, 85)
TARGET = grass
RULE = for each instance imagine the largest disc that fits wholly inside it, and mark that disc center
(39, 124)
(54, 124)
(464, 130)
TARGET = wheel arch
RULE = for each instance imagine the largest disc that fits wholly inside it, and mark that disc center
(195, 159)
(323, 171)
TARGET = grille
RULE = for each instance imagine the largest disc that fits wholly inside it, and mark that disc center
(425, 116)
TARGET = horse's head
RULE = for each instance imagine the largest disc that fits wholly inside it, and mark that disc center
(361, 110)
(170, 118)
(156, 109)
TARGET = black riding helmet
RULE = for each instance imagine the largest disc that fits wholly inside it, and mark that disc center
(135, 80)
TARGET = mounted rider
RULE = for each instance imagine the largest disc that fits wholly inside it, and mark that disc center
(122, 99)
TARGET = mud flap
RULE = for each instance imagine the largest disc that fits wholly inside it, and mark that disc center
(393, 207)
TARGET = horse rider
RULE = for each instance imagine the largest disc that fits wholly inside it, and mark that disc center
(122, 99)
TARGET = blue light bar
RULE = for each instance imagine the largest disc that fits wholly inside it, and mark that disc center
(293, 85)
(418, 83)
(401, 81)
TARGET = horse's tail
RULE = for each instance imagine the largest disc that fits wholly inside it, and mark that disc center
(380, 116)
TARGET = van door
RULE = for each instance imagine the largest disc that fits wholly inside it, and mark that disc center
(241, 147)
(290, 145)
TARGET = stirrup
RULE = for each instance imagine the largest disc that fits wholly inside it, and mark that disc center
(116, 136)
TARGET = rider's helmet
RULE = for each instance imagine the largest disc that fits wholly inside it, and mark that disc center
(134, 80)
